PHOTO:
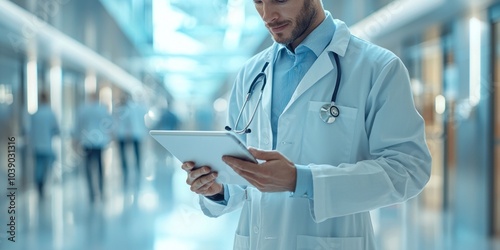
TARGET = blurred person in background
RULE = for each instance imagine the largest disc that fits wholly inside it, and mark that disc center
(129, 131)
(43, 128)
(92, 135)
(5, 114)
(336, 135)
(168, 121)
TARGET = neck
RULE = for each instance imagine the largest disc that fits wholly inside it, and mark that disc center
(315, 22)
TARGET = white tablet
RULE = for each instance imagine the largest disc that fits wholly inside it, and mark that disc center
(206, 148)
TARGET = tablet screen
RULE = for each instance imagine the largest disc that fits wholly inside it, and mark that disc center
(206, 148)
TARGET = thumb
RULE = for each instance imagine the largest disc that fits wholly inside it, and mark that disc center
(265, 155)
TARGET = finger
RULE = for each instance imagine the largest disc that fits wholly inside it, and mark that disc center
(253, 177)
(187, 166)
(240, 166)
(207, 189)
(256, 174)
(203, 181)
(265, 155)
(197, 173)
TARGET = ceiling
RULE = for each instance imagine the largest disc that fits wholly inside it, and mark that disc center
(196, 46)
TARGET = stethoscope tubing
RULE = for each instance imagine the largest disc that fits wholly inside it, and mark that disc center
(250, 92)
(329, 112)
(339, 77)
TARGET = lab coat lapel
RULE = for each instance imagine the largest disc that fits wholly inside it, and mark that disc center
(322, 66)
(267, 95)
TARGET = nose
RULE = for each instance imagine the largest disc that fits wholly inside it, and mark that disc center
(268, 12)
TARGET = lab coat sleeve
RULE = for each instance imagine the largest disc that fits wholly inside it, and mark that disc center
(397, 164)
(237, 196)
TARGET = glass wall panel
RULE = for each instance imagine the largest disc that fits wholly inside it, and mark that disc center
(11, 103)
(496, 120)
(424, 60)
(448, 108)
(72, 96)
(10, 91)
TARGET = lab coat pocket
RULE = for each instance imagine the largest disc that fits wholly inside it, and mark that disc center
(305, 242)
(241, 242)
(335, 139)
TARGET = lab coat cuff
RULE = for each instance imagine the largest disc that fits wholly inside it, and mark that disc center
(232, 202)
(225, 197)
(211, 208)
(304, 185)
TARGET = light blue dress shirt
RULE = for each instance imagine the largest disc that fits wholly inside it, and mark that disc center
(289, 69)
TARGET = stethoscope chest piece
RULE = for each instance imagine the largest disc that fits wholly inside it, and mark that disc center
(329, 112)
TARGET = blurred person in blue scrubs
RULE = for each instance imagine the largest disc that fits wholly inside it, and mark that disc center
(92, 134)
(337, 135)
(129, 131)
(43, 128)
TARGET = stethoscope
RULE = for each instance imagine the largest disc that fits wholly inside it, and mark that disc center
(328, 112)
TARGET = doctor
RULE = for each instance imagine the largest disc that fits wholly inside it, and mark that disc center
(320, 172)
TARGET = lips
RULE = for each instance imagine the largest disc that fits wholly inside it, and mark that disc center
(278, 27)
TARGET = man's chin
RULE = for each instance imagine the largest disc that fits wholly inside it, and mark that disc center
(281, 40)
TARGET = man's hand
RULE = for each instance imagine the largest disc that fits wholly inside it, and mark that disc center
(202, 180)
(276, 174)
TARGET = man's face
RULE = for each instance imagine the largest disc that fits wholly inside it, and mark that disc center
(289, 21)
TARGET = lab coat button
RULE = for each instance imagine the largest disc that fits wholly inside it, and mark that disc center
(256, 229)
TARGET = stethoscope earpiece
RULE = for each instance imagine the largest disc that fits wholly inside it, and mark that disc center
(247, 131)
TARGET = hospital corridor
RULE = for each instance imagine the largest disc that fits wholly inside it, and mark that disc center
(83, 82)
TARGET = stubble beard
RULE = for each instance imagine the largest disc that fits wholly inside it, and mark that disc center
(302, 23)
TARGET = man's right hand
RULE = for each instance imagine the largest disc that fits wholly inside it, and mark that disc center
(202, 180)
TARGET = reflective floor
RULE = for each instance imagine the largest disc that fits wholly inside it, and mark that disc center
(159, 212)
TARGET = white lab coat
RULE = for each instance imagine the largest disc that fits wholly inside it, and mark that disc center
(372, 156)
